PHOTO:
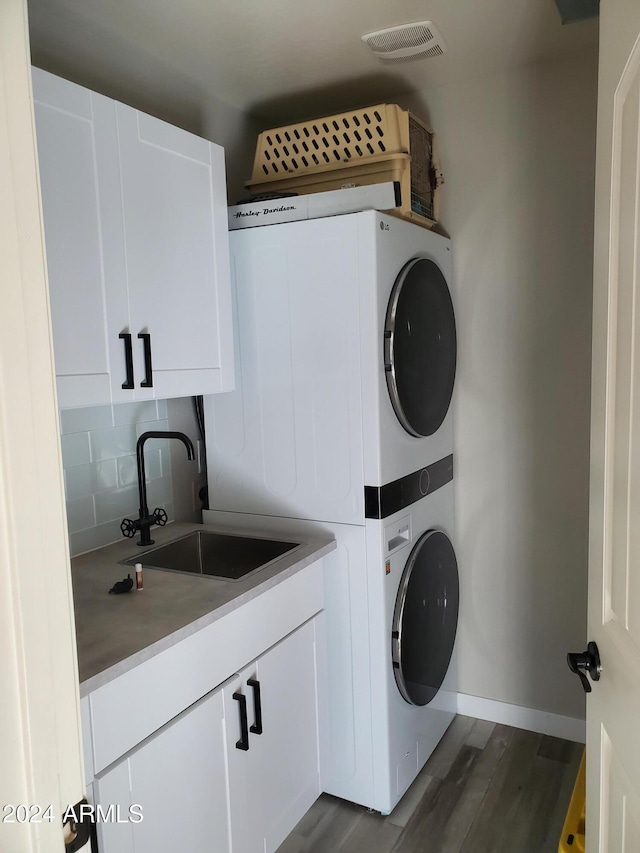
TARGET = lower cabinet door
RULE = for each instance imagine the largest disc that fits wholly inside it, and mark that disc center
(171, 792)
(276, 780)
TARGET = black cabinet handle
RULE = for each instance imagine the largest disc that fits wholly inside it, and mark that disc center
(243, 743)
(145, 337)
(128, 360)
(256, 728)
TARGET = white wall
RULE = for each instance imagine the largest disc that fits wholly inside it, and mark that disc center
(518, 156)
(237, 133)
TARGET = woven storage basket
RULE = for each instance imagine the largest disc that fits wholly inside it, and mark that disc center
(356, 148)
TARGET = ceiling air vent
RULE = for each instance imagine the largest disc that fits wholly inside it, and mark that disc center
(406, 43)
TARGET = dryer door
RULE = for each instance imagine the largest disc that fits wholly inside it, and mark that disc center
(420, 347)
(425, 618)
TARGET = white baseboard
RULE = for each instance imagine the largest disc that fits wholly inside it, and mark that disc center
(542, 722)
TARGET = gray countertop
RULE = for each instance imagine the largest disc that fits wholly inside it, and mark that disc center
(115, 633)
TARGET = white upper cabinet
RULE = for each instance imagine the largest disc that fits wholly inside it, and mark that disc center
(71, 123)
(137, 250)
(175, 228)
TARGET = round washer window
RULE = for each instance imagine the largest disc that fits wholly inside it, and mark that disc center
(425, 618)
(420, 347)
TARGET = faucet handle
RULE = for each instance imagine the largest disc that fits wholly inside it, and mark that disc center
(160, 516)
(129, 526)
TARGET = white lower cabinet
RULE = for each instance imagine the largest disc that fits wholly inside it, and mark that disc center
(276, 780)
(177, 781)
(234, 772)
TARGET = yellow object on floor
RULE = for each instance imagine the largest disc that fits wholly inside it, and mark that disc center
(572, 838)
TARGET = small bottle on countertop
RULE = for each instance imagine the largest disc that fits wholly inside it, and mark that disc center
(139, 576)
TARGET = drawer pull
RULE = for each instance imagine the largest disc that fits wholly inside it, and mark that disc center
(256, 728)
(243, 743)
(127, 385)
(145, 337)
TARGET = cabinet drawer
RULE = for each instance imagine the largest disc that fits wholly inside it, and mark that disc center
(140, 701)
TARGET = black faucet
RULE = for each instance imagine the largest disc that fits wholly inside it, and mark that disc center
(143, 523)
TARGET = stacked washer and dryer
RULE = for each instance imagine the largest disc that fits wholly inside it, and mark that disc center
(345, 357)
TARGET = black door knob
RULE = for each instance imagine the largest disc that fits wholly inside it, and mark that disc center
(583, 662)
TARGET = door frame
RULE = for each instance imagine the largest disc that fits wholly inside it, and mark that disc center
(40, 735)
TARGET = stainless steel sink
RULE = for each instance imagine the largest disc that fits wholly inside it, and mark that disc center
(216, 555)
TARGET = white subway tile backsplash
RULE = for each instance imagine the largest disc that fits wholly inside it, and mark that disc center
(101, 481)
(153, 463)
(116, 504)
(127, 470)
(114, 442)
(83, 481)
(145, 426)
(159, 492)
(104, 534)
(128, 467)
(80, 514)
(95, 537)
(135, 413)
(75, 449)
(153, 444)
(165, 462)
(83, 420)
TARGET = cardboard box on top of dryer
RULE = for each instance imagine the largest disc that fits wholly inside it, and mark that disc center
(293, 208)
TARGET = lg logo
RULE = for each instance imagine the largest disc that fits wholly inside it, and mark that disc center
(383, 226)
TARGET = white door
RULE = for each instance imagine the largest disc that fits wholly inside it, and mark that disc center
(613, 708)
(40, 740)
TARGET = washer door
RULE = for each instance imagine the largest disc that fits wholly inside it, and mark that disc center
(425, 618)
(420, 347)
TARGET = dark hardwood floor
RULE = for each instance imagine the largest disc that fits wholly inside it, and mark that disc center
(487, 788)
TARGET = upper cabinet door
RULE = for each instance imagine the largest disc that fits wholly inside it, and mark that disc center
(135, 215)
(74, 128)
(177, 257)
